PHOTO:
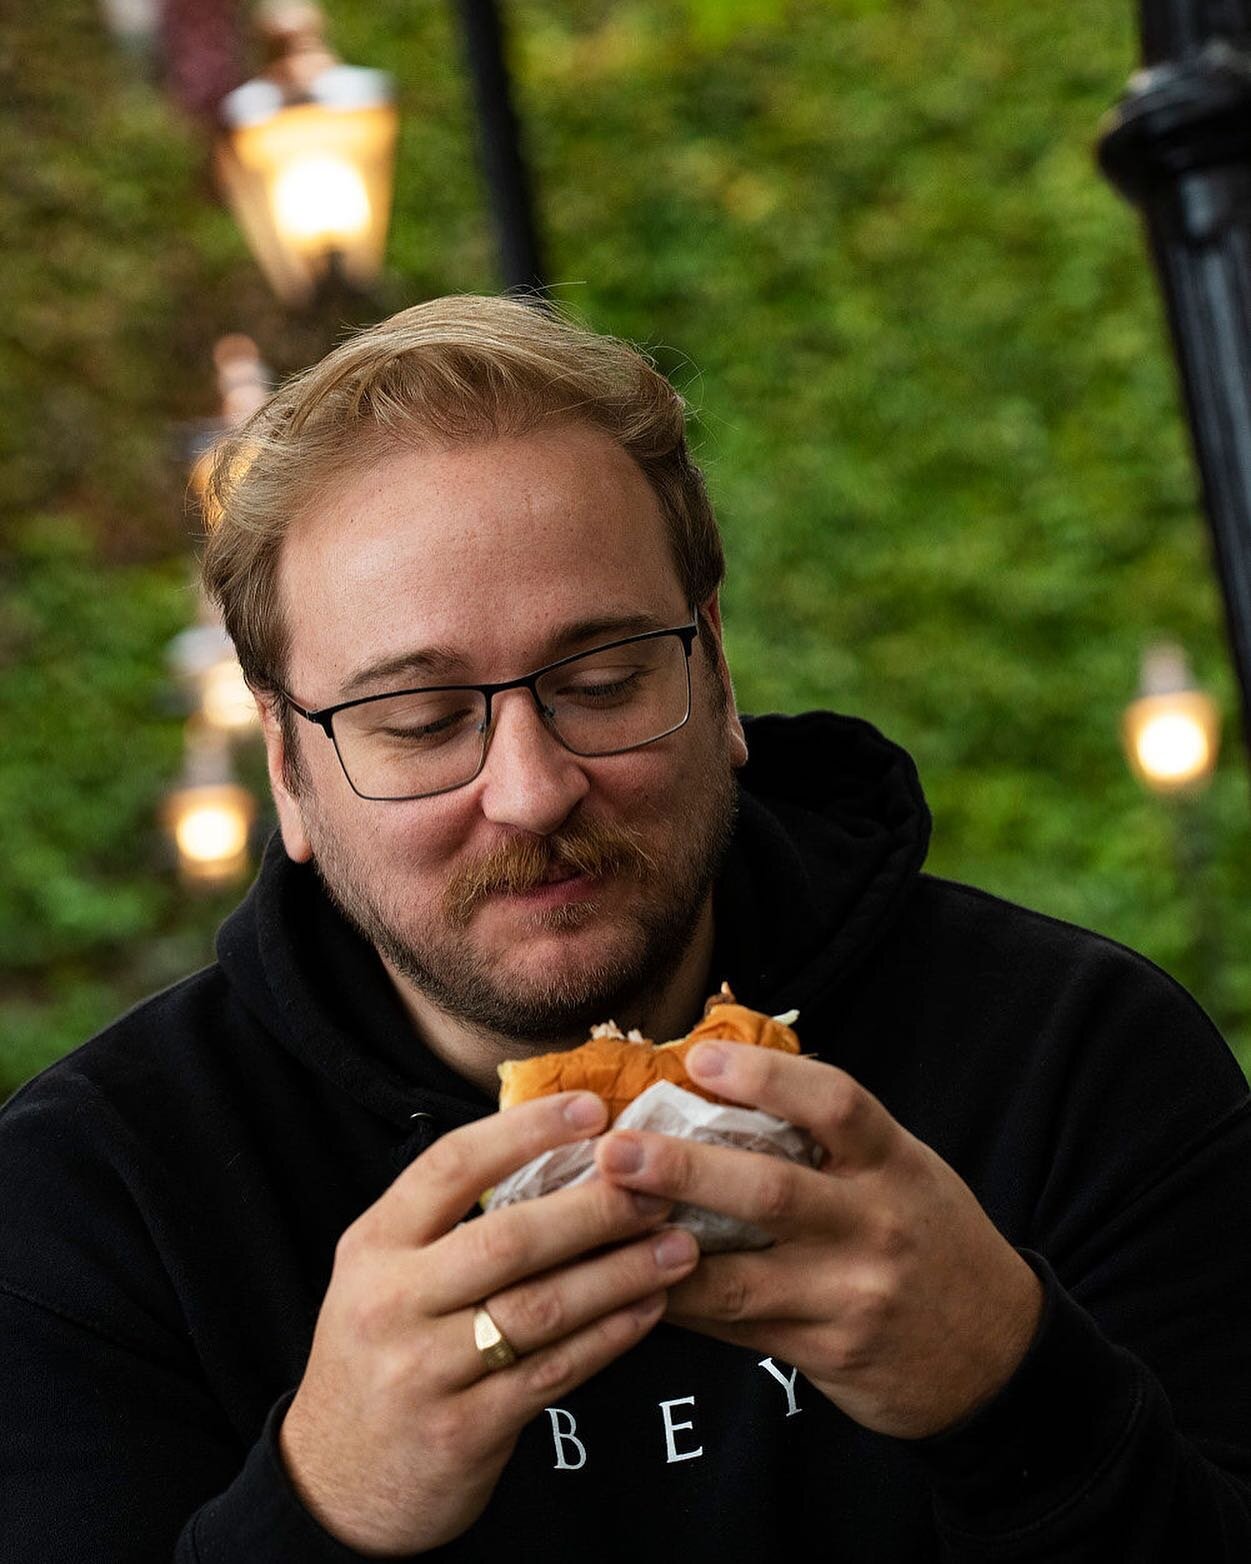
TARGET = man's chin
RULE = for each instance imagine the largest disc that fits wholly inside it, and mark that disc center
(548, 988)
(565, 951)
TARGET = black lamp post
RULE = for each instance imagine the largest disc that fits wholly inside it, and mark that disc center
(502, 157)
(1179, 146)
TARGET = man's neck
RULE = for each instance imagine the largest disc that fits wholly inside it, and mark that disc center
(667, 1013)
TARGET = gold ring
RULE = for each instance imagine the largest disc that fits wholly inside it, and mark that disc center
(496, 1349)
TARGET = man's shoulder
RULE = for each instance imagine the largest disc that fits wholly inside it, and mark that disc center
(92, 1146)
(1020, 972)
(149, 1044)
(979, 921)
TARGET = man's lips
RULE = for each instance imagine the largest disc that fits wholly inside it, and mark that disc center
(559, 887)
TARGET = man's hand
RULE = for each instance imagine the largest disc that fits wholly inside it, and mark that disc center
(398, 1433)
(889, 1287)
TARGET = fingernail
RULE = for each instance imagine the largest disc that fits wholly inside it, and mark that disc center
(649, 1205)
(674, 1248)
(584, 1112)
(706, 1059)
(622, 1154)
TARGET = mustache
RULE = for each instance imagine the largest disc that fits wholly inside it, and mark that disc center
(592, 847)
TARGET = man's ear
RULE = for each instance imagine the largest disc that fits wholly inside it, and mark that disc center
(290, 816)
(711, 614)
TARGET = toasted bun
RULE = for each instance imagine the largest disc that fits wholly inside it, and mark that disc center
(619, 1069)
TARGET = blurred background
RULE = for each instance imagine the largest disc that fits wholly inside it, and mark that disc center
(867, 238)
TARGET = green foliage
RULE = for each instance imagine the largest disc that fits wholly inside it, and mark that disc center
(934, 396)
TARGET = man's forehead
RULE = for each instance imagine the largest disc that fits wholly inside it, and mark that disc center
(438, 564)
(571, 482)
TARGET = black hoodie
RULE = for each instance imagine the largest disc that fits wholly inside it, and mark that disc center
(173, 1192)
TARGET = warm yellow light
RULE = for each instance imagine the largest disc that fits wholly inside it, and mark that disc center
(320, 202)
(310, 184)
(1173, 747)
(225, 700)
(1172, 739)
(210, 823)
(211, 831)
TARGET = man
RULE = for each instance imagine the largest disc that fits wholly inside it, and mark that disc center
(472, 576)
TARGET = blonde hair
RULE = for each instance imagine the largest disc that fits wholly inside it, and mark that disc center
(453, 371)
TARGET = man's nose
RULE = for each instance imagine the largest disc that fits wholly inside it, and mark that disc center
(531, 781)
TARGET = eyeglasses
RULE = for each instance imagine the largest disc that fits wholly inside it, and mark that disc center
(408, 744)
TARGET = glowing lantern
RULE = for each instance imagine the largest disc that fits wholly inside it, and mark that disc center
(307, 159)
(209, 815)
(1173, 730)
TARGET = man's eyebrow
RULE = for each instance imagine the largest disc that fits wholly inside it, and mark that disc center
(604, 627)
(443, 664)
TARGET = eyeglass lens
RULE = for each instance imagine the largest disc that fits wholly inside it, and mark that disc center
(613, 698)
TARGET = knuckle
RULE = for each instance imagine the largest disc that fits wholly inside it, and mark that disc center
(445, 1429)
(397, 1375)
(730, 1301)
(846, 1354)
(870, 1305)
(446, 1162)
(536, 1312)
(350, 1247)
(375, 1313)
(759, 1068)
(613, 1206)
(500, 1245)
(549, 1372)
(844, 1107)
(671, 1162)
(890, 1235)
(774, 1192)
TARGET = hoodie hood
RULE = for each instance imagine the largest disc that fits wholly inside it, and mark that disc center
(831, 832)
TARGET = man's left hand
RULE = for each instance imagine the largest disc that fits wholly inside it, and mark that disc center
(889, 1287)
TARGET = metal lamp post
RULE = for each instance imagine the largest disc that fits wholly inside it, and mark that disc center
(306, 160)
(503, 161)
(1179, 146)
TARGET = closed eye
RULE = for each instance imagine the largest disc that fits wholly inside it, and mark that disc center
(604, 691)
(428, 732)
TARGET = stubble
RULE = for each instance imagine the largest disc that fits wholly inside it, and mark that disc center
(665, 901)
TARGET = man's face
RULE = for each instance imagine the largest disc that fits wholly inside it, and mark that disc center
(500, 555)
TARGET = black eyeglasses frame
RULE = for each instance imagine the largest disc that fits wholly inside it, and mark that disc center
(324, 716)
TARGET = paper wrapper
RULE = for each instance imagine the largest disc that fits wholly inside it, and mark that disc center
(669, 1110)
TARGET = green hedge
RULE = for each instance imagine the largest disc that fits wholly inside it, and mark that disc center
(934, 401)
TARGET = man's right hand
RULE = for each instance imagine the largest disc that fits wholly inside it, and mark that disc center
(398, 1432)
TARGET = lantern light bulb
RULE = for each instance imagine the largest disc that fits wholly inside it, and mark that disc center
(212, 833)
(1172, 730)
(320, 201)
(1173, 748)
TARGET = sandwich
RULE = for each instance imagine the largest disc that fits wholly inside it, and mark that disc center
(618, 1067)
(645, 1086)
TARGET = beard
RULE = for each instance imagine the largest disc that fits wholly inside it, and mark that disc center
(467, 984)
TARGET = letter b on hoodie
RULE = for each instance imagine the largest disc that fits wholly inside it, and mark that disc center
(564, 1436)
